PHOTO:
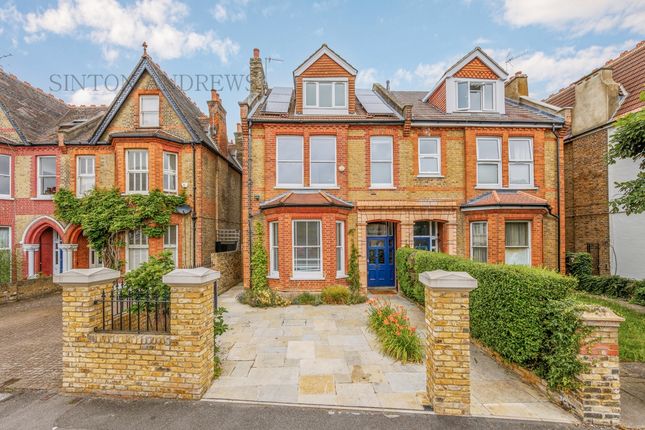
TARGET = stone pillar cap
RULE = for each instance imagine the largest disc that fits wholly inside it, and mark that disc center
(198, 276)
(444, 280)
(87, 276)
(600, 316)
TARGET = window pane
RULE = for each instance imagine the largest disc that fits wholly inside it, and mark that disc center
(422, 228)
(377, 229)
(310, 94)
(429, 165)
(479, 234)
(488, 96)
(323, 149)
(4, 238)
(312, 233)
(517, 234)
(5, 165)
(289, 148)
(170, 236)
(381, 150)
(487, 149)
(381, 173)
(462, 95)
(487, 173)
(428, 146)
(290, 173)
(475, 97)
(480, 254)
(323, 174)
(150, 103)
(339, 94)
(48, 185)
(519, 174)
(324, 94)
(517, 256)
(520, 150)
(422, 243)
(5, 185)
(48, 166)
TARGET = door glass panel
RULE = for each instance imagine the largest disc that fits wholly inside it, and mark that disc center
(377, 229)
(377, 243)
(372, 257)
(381, 256)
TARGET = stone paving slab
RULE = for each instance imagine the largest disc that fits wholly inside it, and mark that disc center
(325, 355)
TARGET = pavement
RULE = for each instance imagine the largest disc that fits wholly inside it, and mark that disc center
(325, 355)
(35, 410)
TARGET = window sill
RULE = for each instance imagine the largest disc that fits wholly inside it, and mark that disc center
(142, 193)
(341, 276)
(149, 127)
(489, 187)
(308, 277)
(6, 198)
(174, 192)
(273, 276)
(528, 187)
(300, 187)
(384, 187)
(43, 198)
(430, 176)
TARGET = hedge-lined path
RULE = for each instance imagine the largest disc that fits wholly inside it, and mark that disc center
(31, 346)
(325, 355)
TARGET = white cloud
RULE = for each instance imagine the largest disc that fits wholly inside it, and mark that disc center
(98, 96)
(9, 17)
(481, 41)
(577, 17)
(162, 23)
(401, 78)
(366, 77)
(110, 54)
(230, 10)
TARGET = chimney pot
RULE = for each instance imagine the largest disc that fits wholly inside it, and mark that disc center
(256, 53)
(214, 95)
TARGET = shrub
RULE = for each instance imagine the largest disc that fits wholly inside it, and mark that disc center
(578, 264)
(307, 299)
(639, 293)
(5, 267)
(353, 275)
(262, 298)
(520, 312)
(145, 282)
(259, 260)
(392, 328)
(219, 328)
(335, 295)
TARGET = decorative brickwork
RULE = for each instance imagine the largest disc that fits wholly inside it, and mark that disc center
(448, 345)
(175, 365)
(476, 69)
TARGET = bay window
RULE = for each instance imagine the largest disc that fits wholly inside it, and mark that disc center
(85, 175)
(137, 249)
(290, 165)
(307, 249)
(273, 250)
(46, 176)
(322, 150)
(489, 162)
(136, 171)
(169, 172)
(518, 243)
(340, 249)
(429, 156)
(479, 241)
(520, 162)
(381, 162)
(5, 176)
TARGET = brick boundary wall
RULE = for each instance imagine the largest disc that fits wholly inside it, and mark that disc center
(229, 264)
(27, 289)
(177, 365)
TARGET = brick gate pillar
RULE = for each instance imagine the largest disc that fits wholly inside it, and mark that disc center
(448, 343)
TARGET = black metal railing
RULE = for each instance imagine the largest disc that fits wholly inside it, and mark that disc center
(123, 311)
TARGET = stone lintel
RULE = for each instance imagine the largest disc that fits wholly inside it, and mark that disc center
(30, 246)
(72, 246)
(450, 281)
(191, 277)
(78, 277)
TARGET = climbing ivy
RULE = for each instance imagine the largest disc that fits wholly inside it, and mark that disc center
(105, 215)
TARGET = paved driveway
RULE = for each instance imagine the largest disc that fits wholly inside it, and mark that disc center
(30, 344)
(325, 355)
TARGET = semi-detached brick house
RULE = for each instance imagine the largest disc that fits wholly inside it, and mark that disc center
(471, 167)
(152, 136)
(597, 101)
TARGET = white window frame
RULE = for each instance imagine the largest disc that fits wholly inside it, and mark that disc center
(9, 248)
(436, 156)
(141, 111)
(487, 161)
(167, 172)
(80, 175)
(40, 176)
(173, 248)
(529, 245)
(472, 246)
(274, 250)
(130, 246)
(316, 108)
(382, 139)
(306, 275)
(301, 161)
(340, 249)
(433, 239)
(94, 258)
(530, 162)
(7, 175)
(470, 82)
(312, 141)
(145, 171)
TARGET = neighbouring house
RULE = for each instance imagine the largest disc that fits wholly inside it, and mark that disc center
(597, 100)
(471, 167)
(152, 136)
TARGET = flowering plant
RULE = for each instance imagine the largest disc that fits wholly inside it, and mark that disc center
(391, 325)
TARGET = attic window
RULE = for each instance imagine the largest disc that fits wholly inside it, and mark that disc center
(475, 96)
(325, 94)
(149, 111)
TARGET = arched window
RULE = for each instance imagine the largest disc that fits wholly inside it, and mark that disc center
(426, 235)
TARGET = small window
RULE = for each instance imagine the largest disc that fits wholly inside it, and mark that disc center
(5, 255)
(46, 176)
(479, 241)
(307, 249)
(339, 94)
(340, 249)
(5, 176)
(170, 242)
(290, 161)
(96, 259)
(429, 156)
(136, 171)
(489, 162)
(273, 251)
(328, 94)
(426, 235)
(462, 95)
(85, 175)
(149, 111)
(381, 164)
(518, 243)
(323, 161)
(310, 94)
(475, 96)
(169, 172)
(137, 247)
(520, 163)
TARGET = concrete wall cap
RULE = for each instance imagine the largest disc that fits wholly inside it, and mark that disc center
(198, 276)
(600, 316)
(87, 276)
(442, 279)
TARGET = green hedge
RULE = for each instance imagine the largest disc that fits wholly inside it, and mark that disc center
(579, 265)
(523, 313)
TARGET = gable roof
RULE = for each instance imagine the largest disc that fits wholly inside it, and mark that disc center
(325, 50)
(627, 70)
(478, 53)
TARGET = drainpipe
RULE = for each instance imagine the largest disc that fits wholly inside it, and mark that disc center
(194, 215)
(557, 175)
(249, 184)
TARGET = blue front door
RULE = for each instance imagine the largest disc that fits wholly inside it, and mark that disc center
(380, 258)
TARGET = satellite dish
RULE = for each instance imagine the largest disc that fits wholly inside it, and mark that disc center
(183, 209)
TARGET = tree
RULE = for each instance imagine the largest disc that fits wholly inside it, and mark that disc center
(628, 141)
(259, 261)
(353, 275)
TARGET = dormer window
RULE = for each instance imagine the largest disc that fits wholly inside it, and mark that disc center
(475, 96)
(325, 95)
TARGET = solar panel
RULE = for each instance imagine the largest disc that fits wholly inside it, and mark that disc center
(372, 102)
(278, 100)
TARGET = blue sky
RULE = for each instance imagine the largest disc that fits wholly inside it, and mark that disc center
(409, 43)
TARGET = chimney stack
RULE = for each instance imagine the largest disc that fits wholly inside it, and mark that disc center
(517, 86)
(258, 81)
(217, 122)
